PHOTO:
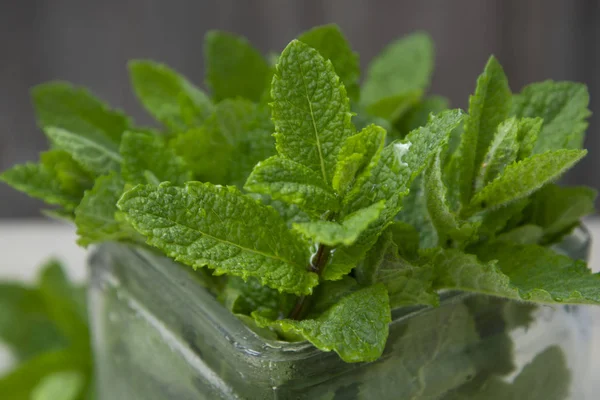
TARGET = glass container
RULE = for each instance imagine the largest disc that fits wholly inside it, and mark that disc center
(159, 333)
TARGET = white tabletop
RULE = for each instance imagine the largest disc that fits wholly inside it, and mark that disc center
(25, 245)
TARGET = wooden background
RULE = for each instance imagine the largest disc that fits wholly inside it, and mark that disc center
(89, 42)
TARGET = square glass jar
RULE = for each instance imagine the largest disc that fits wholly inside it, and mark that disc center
(159, 333)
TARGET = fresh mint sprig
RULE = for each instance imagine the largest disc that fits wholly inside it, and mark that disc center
(324, 203)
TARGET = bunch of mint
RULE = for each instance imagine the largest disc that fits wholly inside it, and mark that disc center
(324, 202)
(46, 329)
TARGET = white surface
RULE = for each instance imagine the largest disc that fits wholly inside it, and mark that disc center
(25, 245)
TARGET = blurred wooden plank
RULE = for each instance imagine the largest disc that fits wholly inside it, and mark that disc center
(89, 44)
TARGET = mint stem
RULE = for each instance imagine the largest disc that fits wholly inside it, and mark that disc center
(317, 265)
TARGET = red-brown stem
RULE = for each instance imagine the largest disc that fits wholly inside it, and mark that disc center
(317, 263)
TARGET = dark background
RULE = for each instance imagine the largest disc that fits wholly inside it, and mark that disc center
(89, 43)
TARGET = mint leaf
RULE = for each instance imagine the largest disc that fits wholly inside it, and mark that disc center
(289, 212)
(168, 96)
(346, 231)
(356, 327)
(488, 107)
(414, 213)
(244, 297)
(21, 382)
(541, 275)
(64, 385)
(546, 377)
(65, 305)
(216, 150)
(96, 154)
(524, 177)
(75, 109)
(206, 225)
(330, 42)
(289, 181)
(524, 234)
(430, 354)
(255, 145)
(503, 151)
(57, 179)
(394, 107)
(457, 270)
(492, 221)
(445, 221)
(529, 130)
(403, 67)
(24, 323)
(96, 216)
(234, 68)
(400, 164)
(328, 293)
(146, 159)
(406, 283)
(357, 158)
(524, 272)
(310, 109)
(558, 209)
(418, 115)
(563, 107)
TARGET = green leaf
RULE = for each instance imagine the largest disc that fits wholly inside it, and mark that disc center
(75, 109)
(400, 164)
(289, 181)
(57, 179)
(406, 239)
(563, 107)
(206, 225)
(541, 275)
(328, 293)
(502, 152)
(430, 354)
(529, 130)
(488, 107)
(25, 326)
(395, 107)
(524, 234)
(244, 297)
(492, 221)
(289, 212)
(403, 66)
(234, 68)
(96, 217)
(147, 159)
(524, 177)
(64, 385)
(65, 307)
(414, 212)
(253, 146)
(357, 158)
(346, 231)
(524, 272)
(20, 383)
(446, 222)
(97, 154)
(330, 42)
(168, 96)
(356, 327)
(557, 209)
(546, 377)
(457, 270)
(214, 150)
(418, 115)
(310, 109)
(406, 283)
